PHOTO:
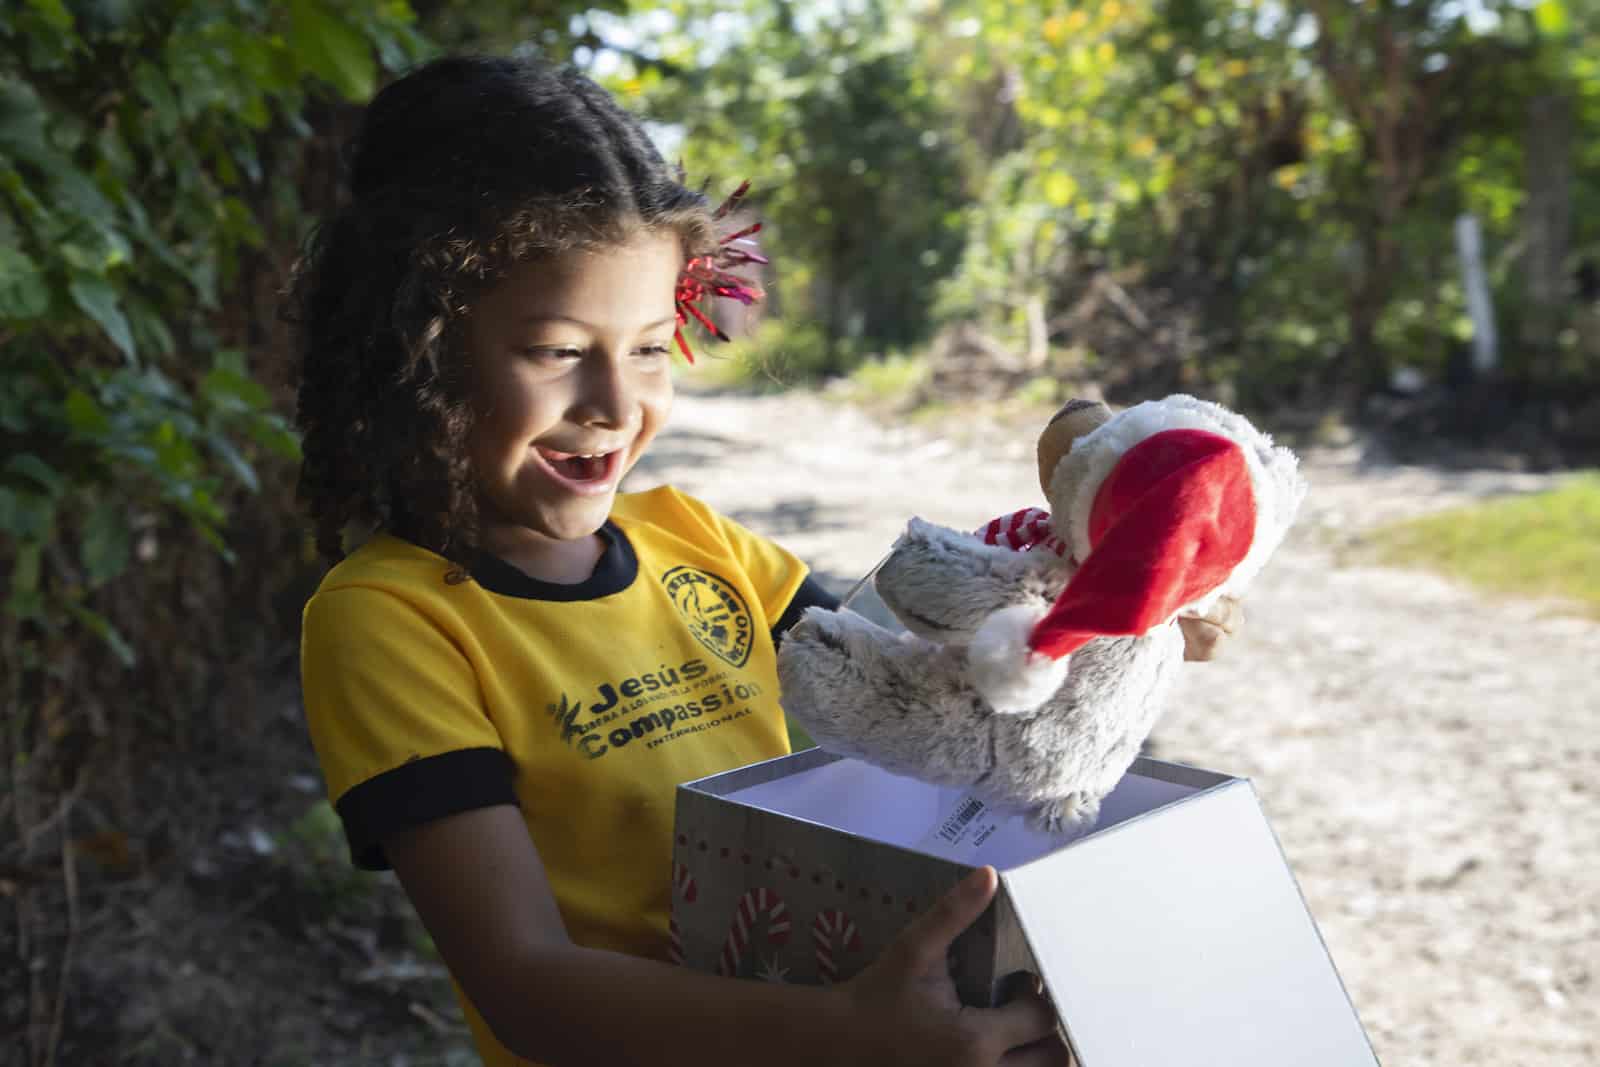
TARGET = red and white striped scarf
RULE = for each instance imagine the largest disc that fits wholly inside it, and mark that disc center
(1022, 531)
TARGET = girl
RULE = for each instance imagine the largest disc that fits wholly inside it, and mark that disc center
(486, 336)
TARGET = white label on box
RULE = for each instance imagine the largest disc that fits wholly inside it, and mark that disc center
(963, 826)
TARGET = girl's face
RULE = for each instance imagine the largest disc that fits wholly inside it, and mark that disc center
(571, 379)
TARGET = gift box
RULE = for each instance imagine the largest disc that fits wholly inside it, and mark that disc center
(1168, 932)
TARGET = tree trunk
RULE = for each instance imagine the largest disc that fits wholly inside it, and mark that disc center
(1366, 368)
(1038, 333)
(1546, 223)
(838, 309)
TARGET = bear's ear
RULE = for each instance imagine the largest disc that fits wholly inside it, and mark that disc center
(1075, 419)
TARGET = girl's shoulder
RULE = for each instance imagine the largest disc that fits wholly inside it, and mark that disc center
(665, 506)
(385, 591)
(385, 561)
(668, 517)
(669, 511)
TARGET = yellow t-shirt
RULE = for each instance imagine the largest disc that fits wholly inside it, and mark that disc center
(585, 705)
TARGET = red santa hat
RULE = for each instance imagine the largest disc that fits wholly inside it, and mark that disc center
(1171, 521)
(1169, 524)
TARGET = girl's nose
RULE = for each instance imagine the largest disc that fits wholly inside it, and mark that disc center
(606, 395)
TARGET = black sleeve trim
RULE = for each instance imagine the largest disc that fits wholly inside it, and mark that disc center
(420, 791)
(809, 595)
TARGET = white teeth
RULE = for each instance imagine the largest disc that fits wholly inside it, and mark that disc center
(582, 455)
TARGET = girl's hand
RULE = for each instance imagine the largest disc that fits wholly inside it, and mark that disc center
(904, 1006)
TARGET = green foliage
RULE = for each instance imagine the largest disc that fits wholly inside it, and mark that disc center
(160, 161)
(855, 173)
(1542, 544)
(313, 852)
(136, 170)
(1286, 179)
(778, 354)
(891, 379)
(1267, 167)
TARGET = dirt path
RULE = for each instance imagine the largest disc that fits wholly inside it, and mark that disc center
(1428, 756)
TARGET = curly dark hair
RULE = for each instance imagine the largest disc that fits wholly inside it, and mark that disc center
(461, 169)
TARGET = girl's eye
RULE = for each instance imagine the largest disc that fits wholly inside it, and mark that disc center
(553, 352)
(653, 350)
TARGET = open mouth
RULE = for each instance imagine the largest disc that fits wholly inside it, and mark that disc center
(581, 470)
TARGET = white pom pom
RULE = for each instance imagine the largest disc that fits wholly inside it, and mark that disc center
(1004, 670)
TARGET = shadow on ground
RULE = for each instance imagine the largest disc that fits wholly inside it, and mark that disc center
(685, 447)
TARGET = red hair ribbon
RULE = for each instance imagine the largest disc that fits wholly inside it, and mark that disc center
(713, 274)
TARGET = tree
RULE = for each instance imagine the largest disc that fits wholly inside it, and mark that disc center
(841, 130)
(1414, 79)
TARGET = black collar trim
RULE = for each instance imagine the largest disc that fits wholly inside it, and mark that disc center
(618, 567)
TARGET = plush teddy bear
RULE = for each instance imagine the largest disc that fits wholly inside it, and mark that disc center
(1041, 650)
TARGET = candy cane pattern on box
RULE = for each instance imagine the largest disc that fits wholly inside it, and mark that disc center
(683, 886)
(829, 924)
(754, 903)
(1021, 531)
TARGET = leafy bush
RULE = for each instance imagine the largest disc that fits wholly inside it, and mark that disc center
(137, 171)
(155, 163)
(778, 354)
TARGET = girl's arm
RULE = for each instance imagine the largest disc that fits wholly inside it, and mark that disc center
(478, 884)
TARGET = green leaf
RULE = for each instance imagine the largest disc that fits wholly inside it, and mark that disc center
(88, 259)
(101, 627)
(25, 601)
(153, 383)
(25, 515)
(153, 87)
(25, 575)
(98, 299)
(175, 456)
(332, 50)
(273, 432)
(36, 469)
(54, 12)
(256, 115)
(1551, 17)
(74, 189)
(1060, 189)
(24, 293)
(85, 415)
(230, 390)
(235, 459)
(22, 116)
(204, 511)
(105, 542)
(202, 274)
(150, 332)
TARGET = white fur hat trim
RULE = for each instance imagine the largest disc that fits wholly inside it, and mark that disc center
(1004, 670)
(1274, 476)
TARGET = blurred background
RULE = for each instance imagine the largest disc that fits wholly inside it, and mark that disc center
(1375, 226)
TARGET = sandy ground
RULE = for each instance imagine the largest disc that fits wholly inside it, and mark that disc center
(1428, 756)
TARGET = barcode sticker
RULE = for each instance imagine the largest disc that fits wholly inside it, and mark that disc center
(962, 826)
(951, 830)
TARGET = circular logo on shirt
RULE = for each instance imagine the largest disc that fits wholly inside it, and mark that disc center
(714, 612)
